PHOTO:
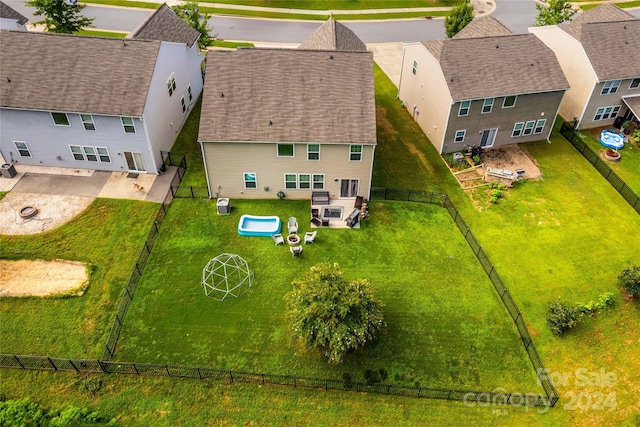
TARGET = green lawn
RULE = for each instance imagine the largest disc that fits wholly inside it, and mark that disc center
(76, 326)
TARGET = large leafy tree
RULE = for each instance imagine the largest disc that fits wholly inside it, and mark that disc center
(555, 12)
(190, 13)
(333, 313)
(459, 18)
(60, 16)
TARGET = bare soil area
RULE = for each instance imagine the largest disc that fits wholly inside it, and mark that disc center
(40, 278)
(512, 157)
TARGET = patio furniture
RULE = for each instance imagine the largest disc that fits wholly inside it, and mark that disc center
(353, 218)
(296, 250)
(278, 239)
(309, 236)
(358, 204)
(292, 225)
(320, 198)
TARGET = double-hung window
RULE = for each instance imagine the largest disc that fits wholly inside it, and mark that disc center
(90, 153)
(528, 127)
(184, 106)
(76, 152)
(540, 126)
(304, 181)
(460, 134)
(22, 148)
(604, 113)
(318, 181)
(610, 86)
(190, 92)
(290, 181)
(313, 151)
(487, 105)
(127, 124)
(635, 83)
(250, 180)
(103, 153)
(355, 153)
(87, 122)
(517, 129)
(414, 70)
(464, 108)
(171, 85)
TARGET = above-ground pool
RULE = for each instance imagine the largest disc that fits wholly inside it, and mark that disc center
(611, 139)
(251, 225)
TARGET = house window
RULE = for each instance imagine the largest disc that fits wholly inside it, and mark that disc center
(103, 153)
(464, 108)
(290, 181)
(87, 122)
(22, 148)
(184, 107)
(60, 119)
(171, 85)
(540, 126)
(610, 86)
(285, 150)
(318, 182)
(509, 101)
(250, 180)
(517, 129)
(313, 151)
(414, 70)
(635, 83)
(460, 135)
(304, 181)
(487, 105)
(604, 113)
(355, 153)
(76, 152)
(127, 124)
(528, 127)
(90, 152)
(190, 93)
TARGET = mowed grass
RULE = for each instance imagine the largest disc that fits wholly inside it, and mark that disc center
(445, 321)
(108, 235)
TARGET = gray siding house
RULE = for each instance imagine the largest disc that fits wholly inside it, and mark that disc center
(98, 103)
(598, 51)
(291, 121)
(485, 87)
(11, 19)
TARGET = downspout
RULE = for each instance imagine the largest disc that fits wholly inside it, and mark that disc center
(586, 104)
(555, 117)
(206, 170)
(373, 152)
(401, 71)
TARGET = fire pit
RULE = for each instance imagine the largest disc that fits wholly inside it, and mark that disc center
(293, 239)
(612, 155)
(28, 212)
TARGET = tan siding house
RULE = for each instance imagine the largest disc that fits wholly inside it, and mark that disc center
(285, 123)
(485, 87)
(604, 85)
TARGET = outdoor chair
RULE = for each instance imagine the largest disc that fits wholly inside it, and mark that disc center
(309, 236)
(358, 204)
(296, 250)
(293, 225)
(278, 239)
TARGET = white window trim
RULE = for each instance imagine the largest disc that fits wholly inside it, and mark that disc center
(84, 123)
(183, 104)
(295, 181)
(15, 144)
(310, 182)
(610, 87)
(73, 155)
(313, 181)
(245, 180)
(171, 84)
(361, 152)
(513, 132)
(86, 148)
(528, 128)
(537, 126)
(133, 124)
(414, 67)
(490, 105)
(293, 152)
(65, 115)
(460, 109)
(515, 100)
(313, 152)
(631, 86)
(108, 155)
(190, 93)
(455, 137)
(615, 109)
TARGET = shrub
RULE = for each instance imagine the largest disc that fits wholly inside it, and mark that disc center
(604, 301)
(561, 317)
(629, 279)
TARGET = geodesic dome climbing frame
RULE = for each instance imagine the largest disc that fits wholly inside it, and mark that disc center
(226, 274)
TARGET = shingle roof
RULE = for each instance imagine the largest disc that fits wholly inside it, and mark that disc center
(56, 72)
(633, 102)
(487, 67)
(7, 12)
(332, 35)
(279, 95)
(485, 26)
(603, 31)
(166, 26)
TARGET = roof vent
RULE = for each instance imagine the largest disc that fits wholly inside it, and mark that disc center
(270, 123)
(331, 57)
(221, 94)
(497, 47)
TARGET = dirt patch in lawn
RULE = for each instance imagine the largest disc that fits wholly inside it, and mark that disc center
(512, 157)
(40, 278)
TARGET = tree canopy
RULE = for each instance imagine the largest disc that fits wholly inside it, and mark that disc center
(555, 12)
(190, 13)
(60, 16)
(459, 18)
(333, 313)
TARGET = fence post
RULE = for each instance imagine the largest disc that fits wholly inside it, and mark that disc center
(230, 375)
(199, 374)
(52, 364)
(18, 360)
(135, 368)
(191, 188)
(74, 366)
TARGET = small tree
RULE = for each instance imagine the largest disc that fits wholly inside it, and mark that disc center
(561, 317)
(331, 312)
(555, 12)
(459, 18)
(190, 13)
(60, 16)
(629, 279)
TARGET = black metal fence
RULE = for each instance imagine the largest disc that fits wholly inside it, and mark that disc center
(111, 367)
(178, 190)
(498, 284)
(592, 157)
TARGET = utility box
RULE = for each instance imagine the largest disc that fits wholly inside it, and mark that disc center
(224, 208)
(8, 170)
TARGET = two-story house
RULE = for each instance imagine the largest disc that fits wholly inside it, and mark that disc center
(599, 53)
(485, 87)
(291, 121)
(98, 103)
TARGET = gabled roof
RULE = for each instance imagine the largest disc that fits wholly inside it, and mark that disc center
(486, 26)
(604, 31)
(166, 26)
(93, 75)
(280, 95)
(7, 12)
(485, 67)
(332, 35)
